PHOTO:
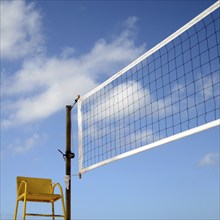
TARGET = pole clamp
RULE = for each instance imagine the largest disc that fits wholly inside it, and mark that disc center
(67, 155)
(70, 155)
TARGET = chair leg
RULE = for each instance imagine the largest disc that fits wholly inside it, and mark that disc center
(63, 206)
(16, 210)
(24, 209)
(53, 211)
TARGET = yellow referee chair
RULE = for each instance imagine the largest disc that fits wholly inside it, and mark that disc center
(38, 190)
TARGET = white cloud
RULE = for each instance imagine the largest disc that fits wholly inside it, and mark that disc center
(124, 112)
(210, 159)
(20, 29)
(131, 99)
(44, 85)
(120, 101)
(19, 147)
(67, 52)
(205, 89)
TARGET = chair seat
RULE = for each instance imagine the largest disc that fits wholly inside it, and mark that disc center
(40, 197)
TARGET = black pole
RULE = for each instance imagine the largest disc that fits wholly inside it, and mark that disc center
(68, 161)
(69, 155)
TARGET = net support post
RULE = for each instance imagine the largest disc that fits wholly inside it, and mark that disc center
(68, 161)
(68, 156)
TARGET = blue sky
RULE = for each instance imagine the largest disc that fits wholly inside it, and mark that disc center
(51, 51)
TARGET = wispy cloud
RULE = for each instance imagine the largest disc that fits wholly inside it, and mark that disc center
(44, 84)
(23, 146)
(210, 159)
(133, 99)
(20, 29)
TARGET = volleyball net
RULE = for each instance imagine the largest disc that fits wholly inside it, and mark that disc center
(170, 92)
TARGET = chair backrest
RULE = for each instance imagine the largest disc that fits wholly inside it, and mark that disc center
(35, 185)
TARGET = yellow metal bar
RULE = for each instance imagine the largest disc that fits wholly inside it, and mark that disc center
(19, 188)
(53, 211)
(25, 199)
(16, 209)
(62, 199)
(17, 200)
(54, 186)
(63, 206)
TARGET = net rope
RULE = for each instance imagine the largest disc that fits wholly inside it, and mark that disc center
(175, 89)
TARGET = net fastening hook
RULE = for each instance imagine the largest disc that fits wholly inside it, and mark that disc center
(76, 100)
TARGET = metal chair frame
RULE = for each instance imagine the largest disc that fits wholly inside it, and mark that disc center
(38, 190)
